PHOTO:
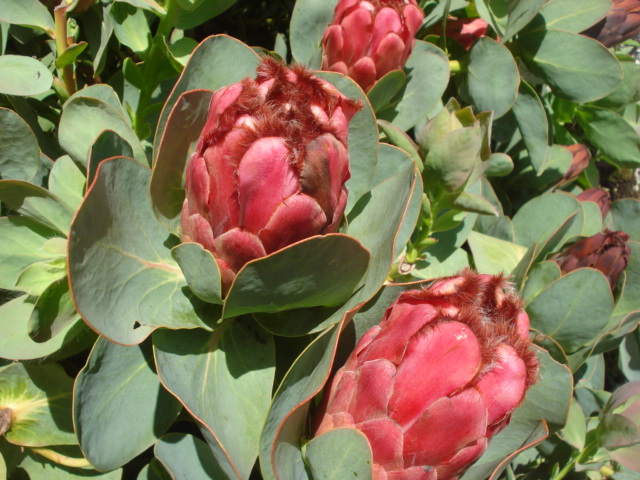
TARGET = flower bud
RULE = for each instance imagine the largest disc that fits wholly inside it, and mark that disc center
(598, 196)
(607, 251)
(436, 379)
(580, 161)
(621, 23)
(270, 166)
(369, 38)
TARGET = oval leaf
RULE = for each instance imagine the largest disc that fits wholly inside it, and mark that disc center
(23, 76)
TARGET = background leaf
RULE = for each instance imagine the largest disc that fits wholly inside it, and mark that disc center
(23, 76)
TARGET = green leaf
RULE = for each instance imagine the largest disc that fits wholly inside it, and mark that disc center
(67, 182)
(183, 127)
(575, 431)
(150, 5)
(229, 385)
(188, 457)
(30, 13)
(577, 68)
(83, 121)
(53, 312)
(427, 78)
(492, 78)
(508, 17)
(574, 309)
(180, 52)
(492, 255)
(385, 89)
(70, 55)
(188, 19)
(120, 407)
(628, 91)
(538, 278)
(500, 165)
(400, 139)
(341, 453)
(117, 247)
(102, 92)
(630, 356)
(107, 144)
(533, 126)
(20, 155)
(200, 271)
(234, 61)
(189, 4)
(22, 243)
(133, 74)
(16, 344)
(40, 398)
(309, 20)
(471, 202)
(98, 28)
(541, 216)
(280, 455)
(130, 27)
(38, 276)
(319, 271)
(36, 203)
(23, 76)
(611, 134)
(573, 15)
(625, 214)
(628, 300)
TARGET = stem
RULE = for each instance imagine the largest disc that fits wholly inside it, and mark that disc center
(66, 73)
(151, 65)
(62, 459)
(443, 39)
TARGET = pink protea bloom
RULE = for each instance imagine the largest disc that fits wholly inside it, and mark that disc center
(600, 197)
(465, 31)
(369, 38)
(436, 379)
(580, 161)
(270, 166)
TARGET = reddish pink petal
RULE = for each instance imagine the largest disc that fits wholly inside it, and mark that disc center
(357, 28)
(404, 320)
(237, 247)
(388, 56)
(374, 386)
(337, 214)
(504, 386)
(387, 21)
(342, 391)
(448, 426)
(265, 178)
(463, 459)
(197, 229)
(197, 186)
(522, 323)
(226, 275)
(363, 72)
(339, 67)
(413, 18)
(342, 7)
(222, 161)
(332, 421)
(414, 473)
(378, 473)
(333, 43)
(436, 364)
(220, 101)
(324, 169)
(385, 439)
(296, 218)
(353, 361)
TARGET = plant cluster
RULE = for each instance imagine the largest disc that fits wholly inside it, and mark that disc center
(319, 239)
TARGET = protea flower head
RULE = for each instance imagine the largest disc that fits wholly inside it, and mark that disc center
(622, 22)
(269, 168)
(369, 38)
(607, 251)
(465, 31)
(436, 379)
(598, 196)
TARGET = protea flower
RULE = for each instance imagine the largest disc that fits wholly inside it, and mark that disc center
(436, 379)
(369, 38)
(622, 22)
(598, 196)
(607, 251)
(270, 166)
(465, 31)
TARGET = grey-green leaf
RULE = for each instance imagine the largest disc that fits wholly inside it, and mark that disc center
(341, 453)
(23, 75)
(120, 407)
